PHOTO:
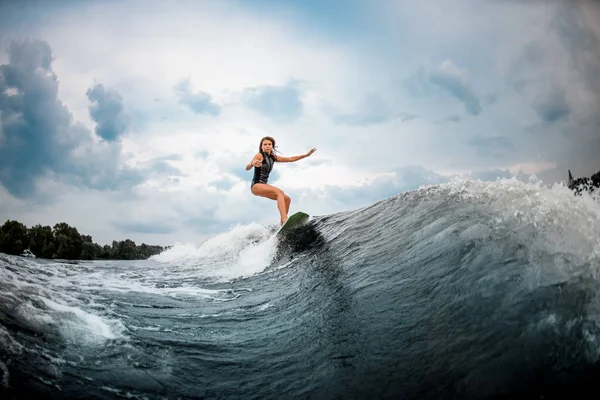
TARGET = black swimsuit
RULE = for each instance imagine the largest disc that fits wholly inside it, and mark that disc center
(261, 174)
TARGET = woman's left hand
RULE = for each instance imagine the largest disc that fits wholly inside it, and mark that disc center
(311, 151)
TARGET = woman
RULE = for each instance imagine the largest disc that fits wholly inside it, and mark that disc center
(263, 164)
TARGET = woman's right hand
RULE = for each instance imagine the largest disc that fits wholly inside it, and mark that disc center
(256, 163)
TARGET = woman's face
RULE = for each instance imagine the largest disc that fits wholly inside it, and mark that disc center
(266, 146)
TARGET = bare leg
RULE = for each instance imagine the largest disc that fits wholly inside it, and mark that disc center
(287, 203)
(273, 193)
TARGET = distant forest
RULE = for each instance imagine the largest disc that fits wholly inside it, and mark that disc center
(65, 242)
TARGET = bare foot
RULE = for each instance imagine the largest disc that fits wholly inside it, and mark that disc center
(283, 221)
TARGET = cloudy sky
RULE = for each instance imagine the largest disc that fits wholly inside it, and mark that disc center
(135, 119)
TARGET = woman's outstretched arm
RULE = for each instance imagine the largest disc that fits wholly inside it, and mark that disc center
(295, 158)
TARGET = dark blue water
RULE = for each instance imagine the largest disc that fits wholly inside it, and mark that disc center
(467, 290)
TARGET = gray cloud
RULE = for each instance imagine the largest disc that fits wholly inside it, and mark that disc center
(361, 119)
(170, 157)
(491, 98)
(107, 111)
(207, 224)
(416, 83)
(453, 118)
(38, 134)
(279, 103)
(161, 166)
(579, 32)
(202, 154)
(98, 167)
(372, 110)
(36, 126)
(380, 188)
(544, 89)
(164, 168)
(559, 78)
(448, 77)
(552, 106)
(241, 173)
(491, 175)
(158, 227)
(404, 117)
(199, 102)
(226, 183)
(497, 147)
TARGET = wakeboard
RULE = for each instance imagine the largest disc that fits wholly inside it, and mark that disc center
(293, 221)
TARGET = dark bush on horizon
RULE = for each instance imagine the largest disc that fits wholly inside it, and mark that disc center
(65, 242)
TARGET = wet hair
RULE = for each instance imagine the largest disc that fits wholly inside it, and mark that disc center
(272, 142)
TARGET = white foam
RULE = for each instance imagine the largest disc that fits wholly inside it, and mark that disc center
(90, 325)
(125, 283)
(5, 377)
(254, 259)
(8, 343)
(572, 223)
(243, 251)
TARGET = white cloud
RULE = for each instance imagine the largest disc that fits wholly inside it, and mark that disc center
(221, 49)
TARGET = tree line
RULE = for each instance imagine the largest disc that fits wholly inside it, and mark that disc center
(65, 242)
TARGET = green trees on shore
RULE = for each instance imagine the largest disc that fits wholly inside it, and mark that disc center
(65, 242)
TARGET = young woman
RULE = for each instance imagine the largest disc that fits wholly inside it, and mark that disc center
(263, 164)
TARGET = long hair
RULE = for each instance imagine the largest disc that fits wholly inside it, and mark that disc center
(274, 146)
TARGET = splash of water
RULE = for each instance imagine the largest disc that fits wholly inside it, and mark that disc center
(243, 251)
